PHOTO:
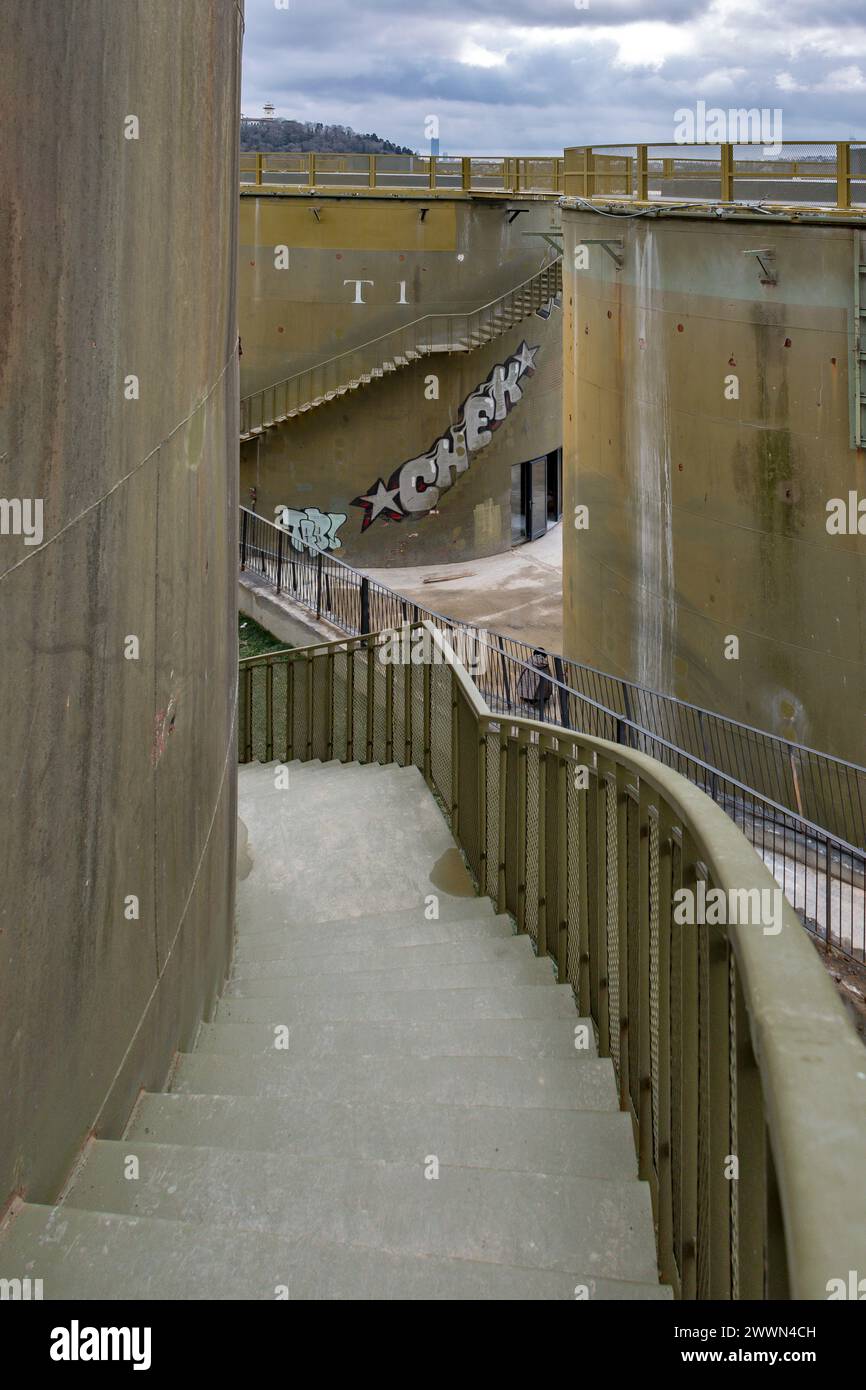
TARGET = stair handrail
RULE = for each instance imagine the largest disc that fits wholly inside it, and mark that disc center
(734, 1057)
(401, 330)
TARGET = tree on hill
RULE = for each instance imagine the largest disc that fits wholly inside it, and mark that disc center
(291, 137)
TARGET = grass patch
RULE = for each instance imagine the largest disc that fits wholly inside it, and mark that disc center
(254, 640)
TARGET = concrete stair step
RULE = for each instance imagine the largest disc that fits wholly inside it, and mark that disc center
(296, 943)
(461, 913)
(486, 975)
(588, 1143)
(514, 1037)
(87, 1255)
(578, 1225)
(511, 1082)
(262, 776)
(430, 1005)
(383, 958)
(334, 846)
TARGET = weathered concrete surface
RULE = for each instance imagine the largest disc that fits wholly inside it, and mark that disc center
(462, 255)
(518, 593)
(318, 1145)
(117, 775)
(287, 621)
(707, 514)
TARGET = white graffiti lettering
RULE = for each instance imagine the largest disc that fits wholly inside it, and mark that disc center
(415, 487)
(311, 529)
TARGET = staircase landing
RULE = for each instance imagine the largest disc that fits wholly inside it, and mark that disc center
(422, 1036)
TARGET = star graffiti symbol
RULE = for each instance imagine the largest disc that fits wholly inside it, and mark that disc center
(525, 355)
(380, 499)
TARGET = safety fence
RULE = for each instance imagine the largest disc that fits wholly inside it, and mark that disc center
(804, 811)
(430, 173)
(732, 1053)
(786, 174)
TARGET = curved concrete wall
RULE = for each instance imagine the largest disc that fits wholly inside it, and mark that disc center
(706, 428)
(462, 254)
(117, 754)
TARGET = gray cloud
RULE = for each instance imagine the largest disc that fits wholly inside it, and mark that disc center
(540, 74)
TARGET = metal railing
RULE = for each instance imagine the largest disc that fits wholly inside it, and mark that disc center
(297, 173)
(819, 174)
(803, 811)
(732, 1054)
(429, 334)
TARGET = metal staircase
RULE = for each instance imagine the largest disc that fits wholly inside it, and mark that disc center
(370, 361)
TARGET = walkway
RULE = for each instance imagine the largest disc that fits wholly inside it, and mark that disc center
(388, 1104)
(518, 593)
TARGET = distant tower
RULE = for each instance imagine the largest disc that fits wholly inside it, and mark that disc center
(269, 110)
(434, 145)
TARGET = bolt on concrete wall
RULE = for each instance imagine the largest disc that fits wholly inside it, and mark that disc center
(707, 432)
(118, 429)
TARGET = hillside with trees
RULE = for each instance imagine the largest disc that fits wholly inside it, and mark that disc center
(281, 135)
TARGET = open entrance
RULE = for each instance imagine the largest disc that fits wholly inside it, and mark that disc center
(536, 496)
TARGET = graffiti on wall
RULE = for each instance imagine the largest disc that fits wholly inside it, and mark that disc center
(416, 486)
(311, 529)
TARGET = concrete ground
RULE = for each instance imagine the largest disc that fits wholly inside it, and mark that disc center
(518, 593)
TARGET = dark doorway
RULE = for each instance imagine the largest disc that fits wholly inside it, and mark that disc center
(536, 496)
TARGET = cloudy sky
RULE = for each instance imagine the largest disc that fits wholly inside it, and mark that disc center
(524, 76)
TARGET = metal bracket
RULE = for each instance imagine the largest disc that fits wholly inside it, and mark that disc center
(766, 258)
(614, 246)
(315, 212)
(550, 238)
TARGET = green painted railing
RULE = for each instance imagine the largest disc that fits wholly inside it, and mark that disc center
(743, 1077)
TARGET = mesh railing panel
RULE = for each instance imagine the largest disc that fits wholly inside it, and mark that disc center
(733, 1072)
(340, 705)
(576, 848)
(553, 868)
(612, 889)
(440, 731)
(676, 1069)
(491, 884)
(634, 983)
(531, 867)
(359, 706)
(399, 679)
(653, 854)
(321, 707)
(705, 1101)
(468, 775)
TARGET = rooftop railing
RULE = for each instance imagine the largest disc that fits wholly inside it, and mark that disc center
(814, 174)
(429, 174)
(733, 1056)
